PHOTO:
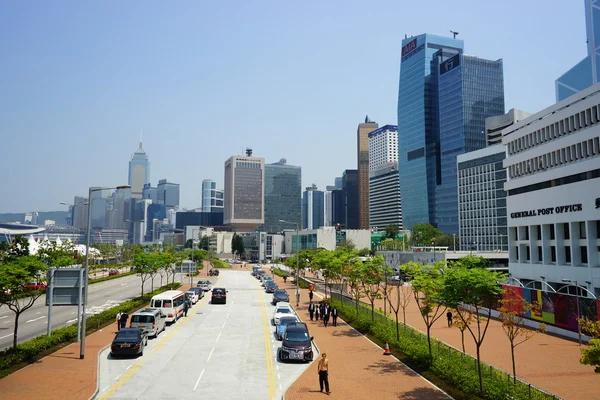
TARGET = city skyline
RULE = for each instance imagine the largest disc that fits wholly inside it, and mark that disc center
(82, 81)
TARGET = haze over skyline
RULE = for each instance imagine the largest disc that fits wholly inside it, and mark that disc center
(81, 80)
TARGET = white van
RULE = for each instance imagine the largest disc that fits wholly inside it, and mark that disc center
(151, 320)
(170, 303)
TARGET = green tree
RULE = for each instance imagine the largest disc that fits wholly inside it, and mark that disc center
(476, 289)
(398, 297)
(364, 252)
(373, 273)
(204, 243)
(16, 274)
(55, 255)
(391, 231)
(424, 234)
(590, 354)
(18, 247)
(449, 241)
(143, 266)
(190, 243)
(471, 261)
(347, 244)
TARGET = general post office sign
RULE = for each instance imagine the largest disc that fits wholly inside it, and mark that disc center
(551, 210)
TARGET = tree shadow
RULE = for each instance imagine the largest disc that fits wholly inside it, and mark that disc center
(387, 367)
(67, 355)
(423, 393)
(346, 333)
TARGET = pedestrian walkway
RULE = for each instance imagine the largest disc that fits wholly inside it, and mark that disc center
(357, 367)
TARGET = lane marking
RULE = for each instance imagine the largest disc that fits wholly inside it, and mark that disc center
(4, 337)
(127, 369)
(70, 321)
(210, 355)
(224, 324)
(269, 356)
(35, 319)
(219, 336)
(6, 316)
(198, 381)
(117, 378)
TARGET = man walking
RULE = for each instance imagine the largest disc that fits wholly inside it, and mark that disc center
(311, 310)
(326, 315)
(186, 307)
(317, 313)
(124, 318)
(310, 295)
(334, 315)
(449, 316)
(322, 309)
(323, 368)
(119, 320)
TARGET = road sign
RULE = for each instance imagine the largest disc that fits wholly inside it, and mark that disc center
(65, 287)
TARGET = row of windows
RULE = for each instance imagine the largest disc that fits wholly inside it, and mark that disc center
(566, 155)
(243, 164)
(570, 124)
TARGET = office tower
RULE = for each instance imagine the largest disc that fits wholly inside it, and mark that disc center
(384, 186)
(418, 125)
(494, 125)
(338, 183)
(329, 204)
(244, 192)
(99, 204)
(80, 210)
(139, 172)
(338, 208)
(193, 218)
(469, 89)
(313, 208)
(168, 193)
(362, 150)
(585, 73)
(212, 198)
(140, 220)
(149, 192)
(283, 197)
(155, 212)
(117, 209)
(350, 188)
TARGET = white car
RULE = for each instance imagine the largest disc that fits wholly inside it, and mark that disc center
(282, 310)
(193, 296)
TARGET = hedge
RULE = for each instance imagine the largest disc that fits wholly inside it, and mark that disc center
(452, 366)
(219, 263)
(280, 272)
(36, 348)
(110, 277)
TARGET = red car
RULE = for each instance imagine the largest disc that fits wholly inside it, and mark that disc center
(113, 272)
(37, 285)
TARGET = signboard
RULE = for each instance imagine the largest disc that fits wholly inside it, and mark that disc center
(409, 47)
(65, 286)
(450, 64)
(549, 210)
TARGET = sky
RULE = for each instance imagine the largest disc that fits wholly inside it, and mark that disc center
(203, 80)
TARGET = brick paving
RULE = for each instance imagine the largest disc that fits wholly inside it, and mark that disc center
(358, 369)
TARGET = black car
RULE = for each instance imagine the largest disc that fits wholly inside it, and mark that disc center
(271, 287)
(297, 343)
(280, 295)
(213, 272)
(259, 273)
(219, 295)
(129, 342)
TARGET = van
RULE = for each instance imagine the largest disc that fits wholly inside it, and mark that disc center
(170, 303)
(151, 320)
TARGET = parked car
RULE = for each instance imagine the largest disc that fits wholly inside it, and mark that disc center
(271, 287)
(151, 320)
(283, 322)
(213, 272)
(219, 295)
(265, 279)
(193, 297)
(297, 343)
(204, 285)
(259, 274)
(198, 290)
(280, 295)
(129, 342)
(36, 285)
(282, 310)
(113, 272)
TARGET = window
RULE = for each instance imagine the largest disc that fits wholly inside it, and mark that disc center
(582, 231)
(584, 257)
(568, 254)
(566, 230)
(552, 233)
(540, 258)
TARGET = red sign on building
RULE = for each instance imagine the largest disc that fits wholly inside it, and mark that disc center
(410, 46)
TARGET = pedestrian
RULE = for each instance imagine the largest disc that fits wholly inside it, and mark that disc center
(449, 316)
(311, 310)
(310, 295)
(317, 313)
(322, 309)
(326, 315)
(334, 315)
(119, 320)
(285, 279)
(124, 318)
(186, 307)
(323, 368)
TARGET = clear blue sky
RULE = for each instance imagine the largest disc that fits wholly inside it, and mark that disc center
(79, 80)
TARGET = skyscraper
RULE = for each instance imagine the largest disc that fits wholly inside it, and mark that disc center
(283, 196)
(329, 204)
(80, 209)
(585, 73)
(418, 125)
(139, 172)
(212, 198)
(362, 149)
(168, 193)
(149, 192)
(244, 192)
(313, 208)
(350, 189)
(469, 89)
(495, 124)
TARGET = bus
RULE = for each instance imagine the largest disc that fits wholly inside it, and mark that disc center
(170, 303)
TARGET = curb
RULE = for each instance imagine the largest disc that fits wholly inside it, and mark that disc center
(93, 396)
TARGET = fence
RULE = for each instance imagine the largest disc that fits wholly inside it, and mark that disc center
(444, 353)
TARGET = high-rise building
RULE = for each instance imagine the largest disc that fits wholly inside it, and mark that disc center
(385, 206)
(80, 210)
(212, 198)
(117, 209)
(244, 192)
(168, 193)
(283, 196)
(313, 208)
(585, 73)
(418, 128)
(362, 149)
(99, 204)
(469, 89)
(339, 183)
(494, 125)
(329, 204)
(350, 189)
(139, 172)
(338, 207)
(139, 220)
(149, 192)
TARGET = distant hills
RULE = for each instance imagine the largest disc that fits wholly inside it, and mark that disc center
(59, 216)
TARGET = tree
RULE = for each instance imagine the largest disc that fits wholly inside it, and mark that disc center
(16, 274)
(401, 299)
(512, 310)
(143, 266)
(237, 245)
(347, 244)
(472, 261)
(55, 255)
(590, 354)
(424, 234)
(449, 241)
(373, 272)
(391, 231)
(462, 324)
(353, 270)
(204, 243)
(427, 286)
(190, 243)
(476, 289)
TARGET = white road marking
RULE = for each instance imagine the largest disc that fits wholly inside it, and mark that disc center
(123, 284)
(219, 336)
(224, 324)
(104, 390)
(210, 355)
(35, 319)
(39, 312)
(127, 369)
(198, 381)
(117, 378)
(71, 321)
(4, 337)
(6, 316)
(6, 322)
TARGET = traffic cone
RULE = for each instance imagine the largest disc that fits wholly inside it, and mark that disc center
(387, 351)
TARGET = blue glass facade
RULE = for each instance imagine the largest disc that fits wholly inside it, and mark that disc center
(470, 89)
(418, 125)
(313, 209)
(283, 192)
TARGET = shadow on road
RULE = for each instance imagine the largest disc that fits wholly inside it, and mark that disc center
(386, 367)
(425, 393)
(345, 332)
(70, 355)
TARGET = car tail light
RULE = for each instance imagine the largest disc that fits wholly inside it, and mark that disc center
(153, 325)
(137, 345)
(170, 315)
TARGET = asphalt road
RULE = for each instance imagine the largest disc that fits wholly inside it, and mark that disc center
(217, 352)
(102, 295)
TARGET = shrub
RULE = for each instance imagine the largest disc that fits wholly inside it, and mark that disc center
(280, 272)
(108, 278)
(219, 263)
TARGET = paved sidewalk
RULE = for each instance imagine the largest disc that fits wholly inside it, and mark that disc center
(62, 375)
(358, 368)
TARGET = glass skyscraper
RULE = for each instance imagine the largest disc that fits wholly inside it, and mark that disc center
(283, 193)
(139, 172)
(469, 89)
(418, 125)
(313, 208)
(212, 198)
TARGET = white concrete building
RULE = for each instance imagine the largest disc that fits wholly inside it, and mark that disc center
(553, 202)
(325, 238)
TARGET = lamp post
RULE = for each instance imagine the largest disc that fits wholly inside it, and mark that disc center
(433, 245)
(578, 309)
(190, 270)
(454, 242)
(297, 258)
(87, 260)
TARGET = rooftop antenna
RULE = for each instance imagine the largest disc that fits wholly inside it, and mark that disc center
(453, 33)
(248, 152)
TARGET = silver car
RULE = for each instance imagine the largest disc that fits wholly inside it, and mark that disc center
(204, 285)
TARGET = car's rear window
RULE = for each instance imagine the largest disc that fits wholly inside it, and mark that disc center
(142, 319)
(284, 311)
(128, 335)
(167, 304)
(218, 291)
(280, 292)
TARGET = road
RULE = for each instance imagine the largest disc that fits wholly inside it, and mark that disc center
(218, 351)
(102, 295)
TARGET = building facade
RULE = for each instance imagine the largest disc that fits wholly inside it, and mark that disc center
(283, 196)
(494, 125)
(139, 172)
(244, 192)
(362, 150)
(553, 203)
(418, 125)
(338, 207)
(79, 212)
(193, 218)
(212, 198)
(168, 193)
(313, 208)
(350, 190)
(329, 204)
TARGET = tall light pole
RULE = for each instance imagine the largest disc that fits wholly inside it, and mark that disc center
(87, 260)
(297, 258)
(433, 245)
(454, 242)
(578, 308)
(190, 271)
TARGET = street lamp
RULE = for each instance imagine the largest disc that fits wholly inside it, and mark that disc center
(87, 260)
(578, 309)
(454, 242)
(433, 245)
(190, 271)
(297, 257)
